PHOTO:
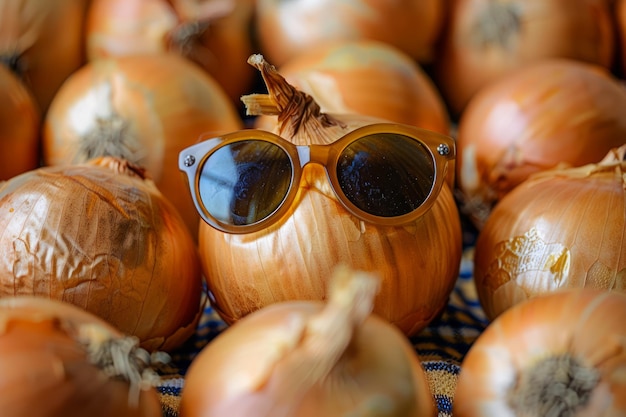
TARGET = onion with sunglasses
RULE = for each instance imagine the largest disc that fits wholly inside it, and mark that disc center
(281, 209)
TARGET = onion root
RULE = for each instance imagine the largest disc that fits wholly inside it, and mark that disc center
(556, 386)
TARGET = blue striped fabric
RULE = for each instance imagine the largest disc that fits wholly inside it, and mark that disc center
(440, 347)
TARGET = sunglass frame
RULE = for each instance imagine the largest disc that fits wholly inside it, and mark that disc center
(191, 160)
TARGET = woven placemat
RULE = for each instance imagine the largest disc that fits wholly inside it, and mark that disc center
(440, 347)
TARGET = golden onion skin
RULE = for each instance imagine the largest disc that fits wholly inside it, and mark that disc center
(48, 369)
(418, 263)
(542, 115)
(290, 260)
(561, 229)
(104, 241)
(581, 326)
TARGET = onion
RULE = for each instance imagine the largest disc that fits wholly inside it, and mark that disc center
(559, 229)
(214, 34)
(555, 111)
(561, 354)
(309, 358)
(486, 39)
(144, 109)
(19, 127)
(284, 28)
(59, 360)
(101, 236)
(292, 259)
(368, 77)
(42, 41)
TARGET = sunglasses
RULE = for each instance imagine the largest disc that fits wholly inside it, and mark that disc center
(386, 174)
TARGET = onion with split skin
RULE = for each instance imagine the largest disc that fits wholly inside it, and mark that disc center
(101, 236)
(20, 122)
(292, 259)
(485, 40)
(142, 108)
(560, 354)
(559, 229)
(59, 360)
(214, 34)
(311, 358)
(552, 112)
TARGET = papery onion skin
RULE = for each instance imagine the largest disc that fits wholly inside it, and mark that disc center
(560, 229)
(106, 241)
(253, 345)
(418, 263)
(42, 41)
(143, 108)
(371, 78)
(291, 260)
(284, 28)
(46, 370)
(553, 112)
(584, 324)
(20, 121)
(214, 35)
(485, 40)
(252, 367)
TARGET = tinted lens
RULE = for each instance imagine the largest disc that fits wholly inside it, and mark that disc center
(245, 182)
(386, 175)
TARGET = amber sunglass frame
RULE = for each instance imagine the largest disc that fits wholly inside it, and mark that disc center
(191, 161)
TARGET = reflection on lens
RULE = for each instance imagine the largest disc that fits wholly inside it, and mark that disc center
(387, 174)
(244, 182)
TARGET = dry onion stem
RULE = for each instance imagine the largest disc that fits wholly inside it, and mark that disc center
(295, 109)
(122, 358)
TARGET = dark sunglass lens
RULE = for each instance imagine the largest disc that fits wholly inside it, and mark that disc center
(386, 175)
(245, 182)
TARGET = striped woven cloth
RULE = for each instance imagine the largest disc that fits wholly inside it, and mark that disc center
(440, 347)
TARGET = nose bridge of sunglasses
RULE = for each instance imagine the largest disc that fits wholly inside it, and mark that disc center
(313, 153)
(314, 161)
